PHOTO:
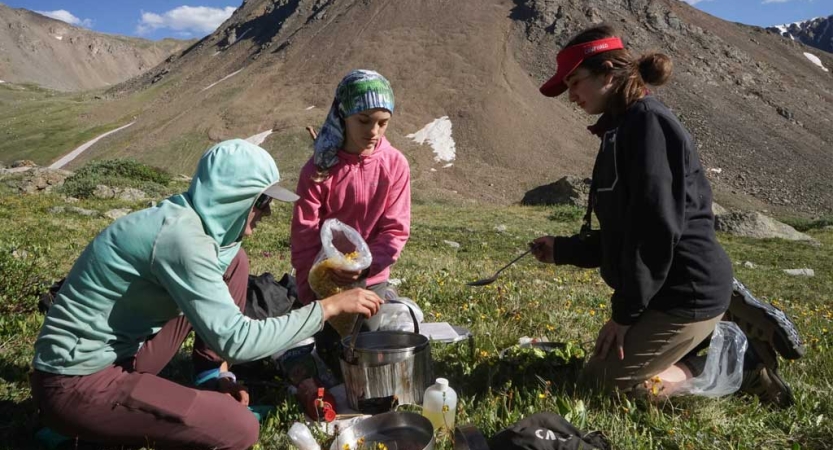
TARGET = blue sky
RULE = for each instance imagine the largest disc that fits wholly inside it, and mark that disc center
(156, 19)
(765, 12)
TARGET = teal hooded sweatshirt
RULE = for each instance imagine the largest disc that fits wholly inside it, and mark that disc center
(156, 264)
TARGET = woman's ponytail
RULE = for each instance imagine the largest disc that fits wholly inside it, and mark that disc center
(654, 68)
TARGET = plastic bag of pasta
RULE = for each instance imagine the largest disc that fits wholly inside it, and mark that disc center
(343, 248)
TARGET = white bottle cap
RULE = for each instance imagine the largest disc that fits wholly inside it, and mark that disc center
(442, 383)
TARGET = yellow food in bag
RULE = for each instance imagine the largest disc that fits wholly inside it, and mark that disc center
(322, 283)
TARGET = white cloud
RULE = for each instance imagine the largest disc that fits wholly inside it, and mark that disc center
(185, 19)
(66, 16)
(774, 1)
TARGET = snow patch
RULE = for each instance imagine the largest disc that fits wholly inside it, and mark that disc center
(223, 79)
(259, 138)
(438, 135)
(448, 165)
(60, 38)
(1, 81)
(309, 108)
(815, 60)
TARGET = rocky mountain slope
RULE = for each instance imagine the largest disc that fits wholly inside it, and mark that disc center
(54, 54)
(760, 111)
(816, 32)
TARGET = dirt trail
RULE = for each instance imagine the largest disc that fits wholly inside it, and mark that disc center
(74, 154)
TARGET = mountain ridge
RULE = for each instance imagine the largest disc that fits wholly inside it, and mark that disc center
(56, 55)
(759, 110)
(816, 32)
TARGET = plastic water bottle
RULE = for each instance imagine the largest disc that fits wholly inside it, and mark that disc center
(439, 405)
(301, 437)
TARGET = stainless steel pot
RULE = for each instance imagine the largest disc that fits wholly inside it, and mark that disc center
(386, 368)
(397, 430)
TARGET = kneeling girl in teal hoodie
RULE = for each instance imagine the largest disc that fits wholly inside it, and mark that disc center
(141, 286)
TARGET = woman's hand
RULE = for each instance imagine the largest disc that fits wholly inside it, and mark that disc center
(611, 335)
(232, 388)
(354, 301)
(543, 249)
(345, 277)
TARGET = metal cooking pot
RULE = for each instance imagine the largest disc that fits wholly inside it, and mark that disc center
(397, 430)
(386, 368)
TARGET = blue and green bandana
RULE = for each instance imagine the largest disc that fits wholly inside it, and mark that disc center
(359, 91)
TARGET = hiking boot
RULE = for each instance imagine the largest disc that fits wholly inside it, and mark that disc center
(761, 378)
(762, 321)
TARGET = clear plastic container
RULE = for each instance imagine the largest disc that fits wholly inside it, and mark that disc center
(439, 405)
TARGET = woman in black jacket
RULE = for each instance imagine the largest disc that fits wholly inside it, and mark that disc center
(656, 246)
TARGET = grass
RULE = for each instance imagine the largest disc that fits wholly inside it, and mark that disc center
(530, 299)
(42, 125)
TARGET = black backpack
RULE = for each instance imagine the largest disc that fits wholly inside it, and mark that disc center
(269, 298)
(46, 299)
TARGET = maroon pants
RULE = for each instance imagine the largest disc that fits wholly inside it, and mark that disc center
(127, 404)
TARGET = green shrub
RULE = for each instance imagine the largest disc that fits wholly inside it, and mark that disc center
(566, 213)
(116, 173)
(21, 282)
(803, 225)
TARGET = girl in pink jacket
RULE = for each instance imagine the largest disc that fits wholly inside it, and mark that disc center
(357, 177)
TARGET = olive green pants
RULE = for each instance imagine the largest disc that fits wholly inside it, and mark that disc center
(652, 344)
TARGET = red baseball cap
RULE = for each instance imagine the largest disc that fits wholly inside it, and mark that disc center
(571, 57)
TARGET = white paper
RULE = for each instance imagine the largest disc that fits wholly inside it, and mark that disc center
(438, 331)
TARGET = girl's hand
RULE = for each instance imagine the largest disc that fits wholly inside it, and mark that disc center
(611, 335)
(344, 277)
(543, 249)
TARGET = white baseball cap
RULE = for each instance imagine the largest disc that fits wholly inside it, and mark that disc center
(280, 193)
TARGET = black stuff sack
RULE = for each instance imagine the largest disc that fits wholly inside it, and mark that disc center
(547, 431)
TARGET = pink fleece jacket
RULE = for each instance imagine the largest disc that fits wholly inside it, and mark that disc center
(370, 193)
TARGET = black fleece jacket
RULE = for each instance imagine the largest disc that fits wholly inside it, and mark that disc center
(656, 245)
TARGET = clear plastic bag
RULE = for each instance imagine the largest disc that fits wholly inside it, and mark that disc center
(395, 315)
(342, 247)
(723, 371)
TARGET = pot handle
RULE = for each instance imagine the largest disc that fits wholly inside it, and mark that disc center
(410, 310)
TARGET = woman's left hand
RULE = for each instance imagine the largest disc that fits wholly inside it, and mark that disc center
(232, 388)
(612, 334)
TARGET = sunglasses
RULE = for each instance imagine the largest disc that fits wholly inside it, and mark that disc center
(263, 202)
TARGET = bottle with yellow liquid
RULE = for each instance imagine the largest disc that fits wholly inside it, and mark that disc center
(439, 405)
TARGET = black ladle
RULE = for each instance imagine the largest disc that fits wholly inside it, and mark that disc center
(493, 278)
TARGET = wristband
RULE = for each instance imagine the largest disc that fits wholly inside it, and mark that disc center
(206, 376)
(228, 375)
